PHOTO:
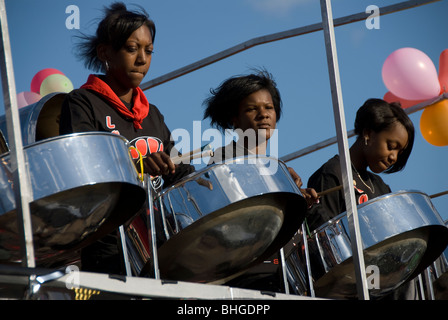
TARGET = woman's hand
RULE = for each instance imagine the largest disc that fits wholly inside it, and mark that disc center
(158, 163)
(295, 177)
(309, 194)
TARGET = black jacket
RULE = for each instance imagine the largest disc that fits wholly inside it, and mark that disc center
(84, 110)
(332, 204)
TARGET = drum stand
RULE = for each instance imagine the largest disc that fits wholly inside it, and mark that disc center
(425, 281)
(124, 249)
(152, 236)
(283, 264)
(307, 260)
(308, 265)
(429, 280)
(151, 221)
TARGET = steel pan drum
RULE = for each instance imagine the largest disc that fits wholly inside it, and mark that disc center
(402, 234)
(84, 185)
(39, 120)
(226, 218)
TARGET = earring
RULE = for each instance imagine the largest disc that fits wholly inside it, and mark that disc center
(107, 66)
(366, 140)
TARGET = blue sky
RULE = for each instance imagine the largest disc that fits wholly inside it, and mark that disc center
(190, 30)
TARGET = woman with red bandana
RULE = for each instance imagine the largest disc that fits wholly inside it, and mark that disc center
(122, 49)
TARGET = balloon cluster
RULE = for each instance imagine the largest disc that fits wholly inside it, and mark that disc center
(44, 82)
(411, 78)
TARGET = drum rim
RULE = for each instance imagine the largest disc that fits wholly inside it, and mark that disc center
(190, 176)
(281, 237)
(371, 201)
(71, 135)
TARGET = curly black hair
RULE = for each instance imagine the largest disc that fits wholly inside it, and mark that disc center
(114, 29)
(223, 103)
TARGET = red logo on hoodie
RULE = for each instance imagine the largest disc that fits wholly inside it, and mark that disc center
(146, 146)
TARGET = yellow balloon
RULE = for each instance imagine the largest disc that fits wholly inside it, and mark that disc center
(55, 83)
(434, 123)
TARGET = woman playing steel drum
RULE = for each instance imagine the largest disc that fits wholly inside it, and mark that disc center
(113, 102)
(251, 103)
(385, 137)
(244, 104)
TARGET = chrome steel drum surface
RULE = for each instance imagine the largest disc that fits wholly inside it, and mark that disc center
(296, 268)
(39, 120)
(226, 218)
(402, 234)
(84, 185)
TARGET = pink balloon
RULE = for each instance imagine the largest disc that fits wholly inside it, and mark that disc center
(443, 70)
(410, 74)
(26, 98)
(390, 97)
(36, 82)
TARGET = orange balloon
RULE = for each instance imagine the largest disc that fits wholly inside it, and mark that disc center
(443, 70)
(434, 123)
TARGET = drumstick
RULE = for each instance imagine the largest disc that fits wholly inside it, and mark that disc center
(189, 156)
(203, 148)
(185, 156)
(438, 194)
(322, 193)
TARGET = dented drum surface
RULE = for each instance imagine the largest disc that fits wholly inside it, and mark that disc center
(402, 234)
(84, 185)
(226, 218)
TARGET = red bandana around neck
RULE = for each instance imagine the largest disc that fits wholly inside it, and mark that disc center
(140, 107)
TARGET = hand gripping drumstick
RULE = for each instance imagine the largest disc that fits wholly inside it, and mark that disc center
(322, 193)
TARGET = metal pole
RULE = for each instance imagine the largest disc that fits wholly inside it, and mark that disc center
(307, 260)
(347, 178)
(421, 287)
(276, 37)
(22, 185)
(124, 249)
(152, 223)
(285, 278)
(429, 281)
